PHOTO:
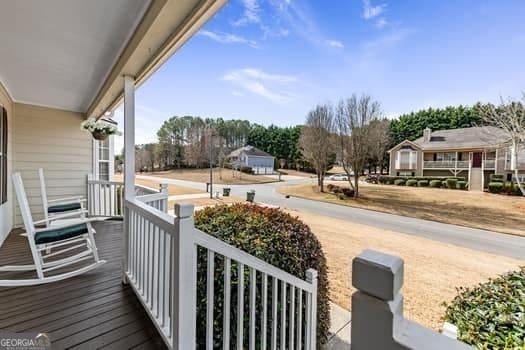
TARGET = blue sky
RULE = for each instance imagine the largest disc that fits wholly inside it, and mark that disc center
(270, 61)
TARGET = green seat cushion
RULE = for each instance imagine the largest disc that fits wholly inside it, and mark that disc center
(60, 233)
(60, 208)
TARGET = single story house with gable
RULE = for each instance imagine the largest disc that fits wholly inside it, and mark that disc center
(474, 153)
(261, 162)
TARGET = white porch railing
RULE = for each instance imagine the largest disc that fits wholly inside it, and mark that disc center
(446, 164)
(169, 262)
(489, 163)
(106, 198)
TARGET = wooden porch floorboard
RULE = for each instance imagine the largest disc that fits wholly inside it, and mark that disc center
(91, 311)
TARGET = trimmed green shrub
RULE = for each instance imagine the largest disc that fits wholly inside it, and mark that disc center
(422, 183)
(271, 235)
(516, 190)
(491, 315)
(399, 182)
(452, 183)
(435, 183)
(411, 182)
(495, 187)
(461, 185)
(497, 178)
(336, 189)
(348, 192)
(444, 184)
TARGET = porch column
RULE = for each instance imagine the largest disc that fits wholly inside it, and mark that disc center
(496, 162)
(129, 137)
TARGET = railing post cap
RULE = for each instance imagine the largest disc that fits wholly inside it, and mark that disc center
(378, 274)
(311, 275)
(184, 210)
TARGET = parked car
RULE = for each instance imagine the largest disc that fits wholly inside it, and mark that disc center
(338, 177)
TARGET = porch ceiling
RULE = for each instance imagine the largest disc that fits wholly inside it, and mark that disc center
(57, 53)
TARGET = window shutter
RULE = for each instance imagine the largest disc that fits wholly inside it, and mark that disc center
(4, 157)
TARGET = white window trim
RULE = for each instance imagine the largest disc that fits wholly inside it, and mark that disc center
(412, 158)
(96, 160)
(2, 156)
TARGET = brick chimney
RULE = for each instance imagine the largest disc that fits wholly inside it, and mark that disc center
(426, 134)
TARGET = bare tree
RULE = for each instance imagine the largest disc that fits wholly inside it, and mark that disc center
(316, 140)
(353, 118)
(379, 138)
(509, 117)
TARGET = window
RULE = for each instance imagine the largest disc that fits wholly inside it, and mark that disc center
(446, 156)
(103, 160)
(406, 159)
(3, 155)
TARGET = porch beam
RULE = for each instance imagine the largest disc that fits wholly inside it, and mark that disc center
(129, 137)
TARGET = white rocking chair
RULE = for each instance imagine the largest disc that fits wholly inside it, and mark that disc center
(50, 246)
(55, 208)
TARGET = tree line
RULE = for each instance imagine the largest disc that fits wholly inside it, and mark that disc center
(190, 142)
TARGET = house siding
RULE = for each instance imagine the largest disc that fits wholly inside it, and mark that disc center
(6, 209)
(50, 139)
(260, 165)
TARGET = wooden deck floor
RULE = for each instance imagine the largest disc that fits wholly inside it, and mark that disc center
(91, 311)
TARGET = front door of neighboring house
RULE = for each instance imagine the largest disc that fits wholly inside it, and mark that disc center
(476, 160)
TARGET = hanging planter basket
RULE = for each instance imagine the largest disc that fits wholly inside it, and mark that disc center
(99, 135)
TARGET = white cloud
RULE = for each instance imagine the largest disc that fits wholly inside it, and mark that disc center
(370, 11)
(381, 22)
(250, 14)
(335, 43)
(226, 38)
(261, 83)
(387, 41)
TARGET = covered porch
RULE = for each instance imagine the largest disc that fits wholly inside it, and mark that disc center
(91, 311)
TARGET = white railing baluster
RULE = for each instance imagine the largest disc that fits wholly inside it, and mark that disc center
(275, 291)
(155, 269)
(311, 277)
(300, 319)
(253, 289)
(308, 335)
(227, 299)
(240, 306)
(264, 321)
(283, 315)
(292, 318)
(210, 279)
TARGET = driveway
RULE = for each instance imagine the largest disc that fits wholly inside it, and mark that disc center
(487, 241)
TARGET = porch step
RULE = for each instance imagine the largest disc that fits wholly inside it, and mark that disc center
(476, 180)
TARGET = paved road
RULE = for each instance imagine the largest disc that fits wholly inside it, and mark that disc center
(487, 241)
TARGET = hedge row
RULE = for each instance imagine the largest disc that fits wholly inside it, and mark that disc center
(504, 187)
(425, 181)
(389, 180)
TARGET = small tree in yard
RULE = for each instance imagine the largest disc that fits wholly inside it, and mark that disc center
(379, 138)
(509, 117)
(316, 141)
(355, 121)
